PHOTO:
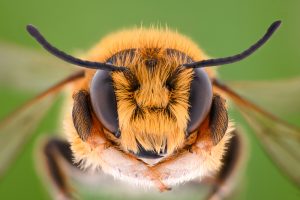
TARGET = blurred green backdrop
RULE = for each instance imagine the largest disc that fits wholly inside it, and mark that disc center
(221, 28)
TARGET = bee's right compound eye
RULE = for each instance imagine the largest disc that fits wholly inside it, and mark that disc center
(104, 101)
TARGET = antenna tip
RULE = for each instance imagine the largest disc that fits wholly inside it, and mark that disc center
(276, 24)
(32, 30)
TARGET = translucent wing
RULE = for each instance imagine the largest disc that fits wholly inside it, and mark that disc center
(30, 70)
(281, 140)
(281, 97)
(16, 128)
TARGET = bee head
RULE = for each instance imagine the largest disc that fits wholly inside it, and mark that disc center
(154, 105)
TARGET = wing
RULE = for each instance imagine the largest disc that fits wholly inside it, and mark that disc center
(17, 127)
(30, 70)
(276, 96)
(281, 140)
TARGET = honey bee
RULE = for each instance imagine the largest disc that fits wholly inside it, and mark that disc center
(148, 108)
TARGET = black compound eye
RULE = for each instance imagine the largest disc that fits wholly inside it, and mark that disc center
(200, 99)
(104, 101)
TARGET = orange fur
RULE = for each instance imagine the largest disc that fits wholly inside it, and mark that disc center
(154, 129)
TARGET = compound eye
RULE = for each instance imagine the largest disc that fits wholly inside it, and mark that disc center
(200, 99)
(104, 101)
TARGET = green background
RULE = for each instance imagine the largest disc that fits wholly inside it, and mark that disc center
(221, 28)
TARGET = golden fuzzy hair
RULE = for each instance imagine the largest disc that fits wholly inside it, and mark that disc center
(153, 116)
(144, 38)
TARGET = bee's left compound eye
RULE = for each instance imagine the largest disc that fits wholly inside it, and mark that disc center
(200, 99)
(104, 101)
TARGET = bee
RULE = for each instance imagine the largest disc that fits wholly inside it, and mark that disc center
(148, 108)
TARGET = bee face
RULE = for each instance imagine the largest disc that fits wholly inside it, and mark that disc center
(153, 109)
